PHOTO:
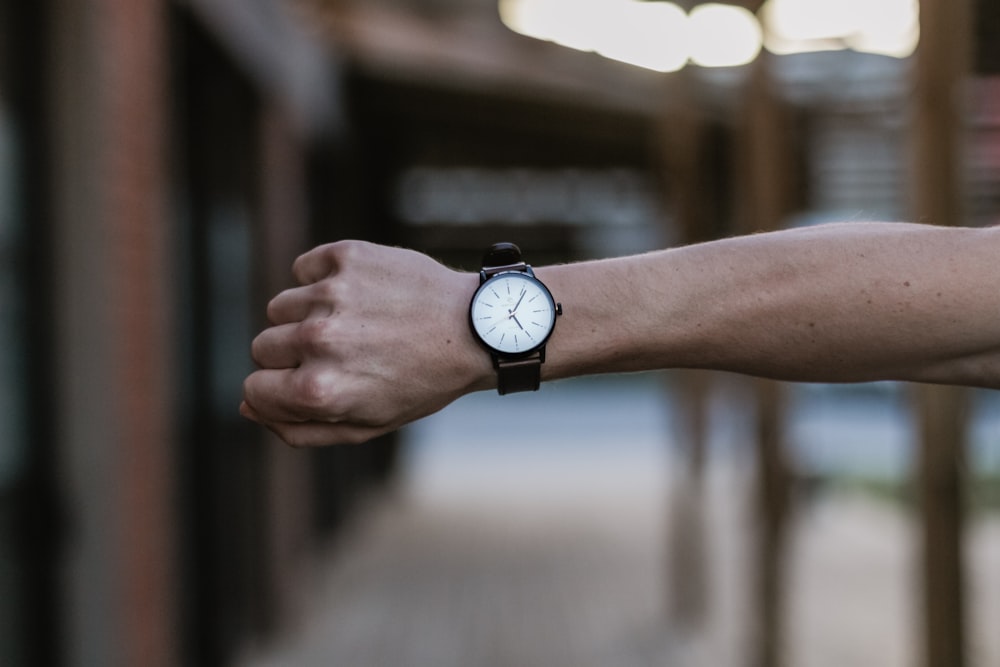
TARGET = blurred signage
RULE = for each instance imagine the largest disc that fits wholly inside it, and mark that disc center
(475, 195)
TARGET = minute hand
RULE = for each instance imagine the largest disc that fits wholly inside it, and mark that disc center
(514, 309)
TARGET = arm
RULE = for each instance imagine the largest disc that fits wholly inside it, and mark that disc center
(836, 303)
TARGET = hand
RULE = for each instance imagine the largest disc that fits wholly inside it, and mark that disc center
(512, 313)
(518, 304)
(373, 338)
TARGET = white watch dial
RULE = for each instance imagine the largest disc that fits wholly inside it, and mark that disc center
(513, 313)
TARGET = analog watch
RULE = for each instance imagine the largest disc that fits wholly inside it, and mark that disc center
(512, 314)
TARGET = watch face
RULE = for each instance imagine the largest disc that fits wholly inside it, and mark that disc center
(513, 313)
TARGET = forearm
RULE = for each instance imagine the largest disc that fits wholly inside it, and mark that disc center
(836, 303)
(376, 337)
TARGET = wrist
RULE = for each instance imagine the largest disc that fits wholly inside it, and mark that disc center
(567, 346)
(594, 335)
(473, 363)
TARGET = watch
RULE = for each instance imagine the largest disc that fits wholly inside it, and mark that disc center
(512, 314)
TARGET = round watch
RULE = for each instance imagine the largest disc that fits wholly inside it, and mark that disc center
(512, 314)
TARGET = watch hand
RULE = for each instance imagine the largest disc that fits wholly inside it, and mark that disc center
(523, 292)
(514, 317)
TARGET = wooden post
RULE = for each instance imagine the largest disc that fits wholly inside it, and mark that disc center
(284, 236)
(772, 506)
(767, 182)
(943, 59)
(112, 324)
(686, 155)
(941, 490)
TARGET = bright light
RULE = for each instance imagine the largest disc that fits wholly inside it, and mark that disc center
(723, 36)
(566, 22)
(538, 19)
(660, 36)
(812, 20)
(888, 27)
(585, 30)
(653, 35)
(647, 34)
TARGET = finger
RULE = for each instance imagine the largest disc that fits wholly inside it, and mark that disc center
(318, 434)
(273, 396)
(276, 347)
(249, 412)
(318, 263)
(296, 304)
(291, 305)
(313, 433)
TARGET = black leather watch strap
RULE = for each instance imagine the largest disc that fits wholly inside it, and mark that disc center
(519, 374)
(502, 257)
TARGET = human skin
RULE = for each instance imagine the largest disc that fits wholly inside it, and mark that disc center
(376, 337)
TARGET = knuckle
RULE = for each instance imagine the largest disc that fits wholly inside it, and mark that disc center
(347, 250)
(320, 396)
(315, 393)
(318, 334)
(313, 265)
(337, 252)
(329, 291)
(326, 259)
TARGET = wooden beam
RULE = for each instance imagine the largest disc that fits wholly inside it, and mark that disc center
(391, 42)
(943, 60)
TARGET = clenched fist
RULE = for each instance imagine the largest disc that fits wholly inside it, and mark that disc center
(373, 338)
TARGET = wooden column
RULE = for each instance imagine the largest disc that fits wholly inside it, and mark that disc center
(684, 152)
(941, 413)
(113, 324)
(284, 237)
(942, 67)
(767, 184)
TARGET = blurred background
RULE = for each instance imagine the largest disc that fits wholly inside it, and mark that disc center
(163, 161)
